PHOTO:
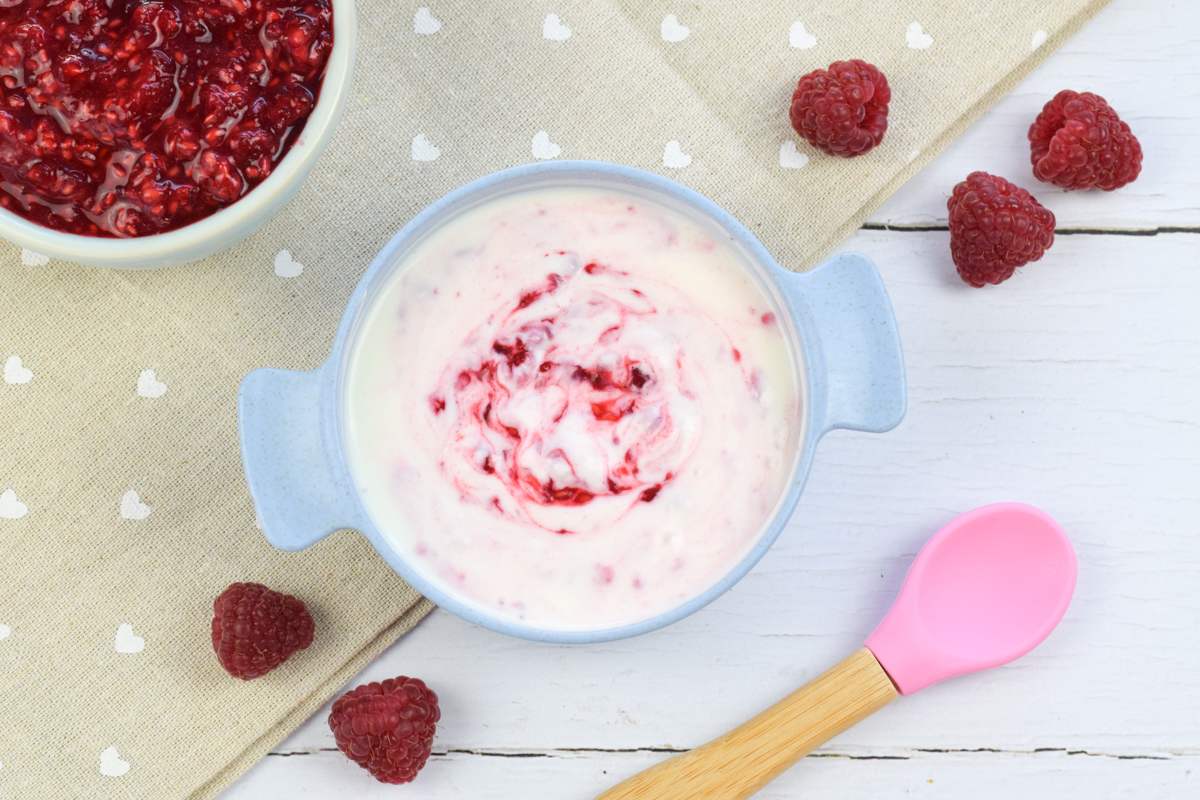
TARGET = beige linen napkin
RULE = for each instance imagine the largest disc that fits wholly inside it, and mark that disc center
(84, 425)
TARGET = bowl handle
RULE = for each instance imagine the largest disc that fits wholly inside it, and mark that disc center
(850, 337)
(301, 489)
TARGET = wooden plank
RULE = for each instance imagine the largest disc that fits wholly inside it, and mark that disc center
(1072, 387)
(580, 776)
(1144, 58)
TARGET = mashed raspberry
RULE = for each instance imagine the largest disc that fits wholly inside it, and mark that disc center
(128, 118)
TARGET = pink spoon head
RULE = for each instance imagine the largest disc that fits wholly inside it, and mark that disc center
(984, 591)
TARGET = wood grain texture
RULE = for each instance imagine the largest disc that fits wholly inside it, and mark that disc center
(1142, 57)
(743, 761)
(1073, 386)
(571, 775)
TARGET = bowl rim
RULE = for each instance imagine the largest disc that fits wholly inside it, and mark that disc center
(801, 462)
(292, 170)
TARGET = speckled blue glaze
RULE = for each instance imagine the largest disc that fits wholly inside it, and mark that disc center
(844, 335)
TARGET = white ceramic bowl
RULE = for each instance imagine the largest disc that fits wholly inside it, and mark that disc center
(230, 225)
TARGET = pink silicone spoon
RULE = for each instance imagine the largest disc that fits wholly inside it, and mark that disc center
(985, 590)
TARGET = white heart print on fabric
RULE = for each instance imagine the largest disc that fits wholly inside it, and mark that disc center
(10, 506)
(14, 373)
(800, 38)
(672, 30)
(1039, 39)
(425, 23)
(543, 148)
(674, 157)
(111, 764)
(31, 258)
(132, 506)
(554, 30)
(150, 386)
(126, 642)
(423, 149)
(917, 38)
(285, 266)
(790, 157)
(5, 631)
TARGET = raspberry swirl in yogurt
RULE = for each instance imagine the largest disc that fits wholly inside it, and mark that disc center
(572, 407)
(580, 398)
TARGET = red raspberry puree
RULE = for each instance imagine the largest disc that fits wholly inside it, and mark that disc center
(571, 406)
(128, 118)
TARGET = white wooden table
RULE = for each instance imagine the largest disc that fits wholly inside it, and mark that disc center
(1075, 387)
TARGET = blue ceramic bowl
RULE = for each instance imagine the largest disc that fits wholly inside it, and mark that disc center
(839, 319)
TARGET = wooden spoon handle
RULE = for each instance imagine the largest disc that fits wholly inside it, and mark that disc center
(741, 762)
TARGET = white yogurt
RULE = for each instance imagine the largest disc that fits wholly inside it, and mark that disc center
(571, 407)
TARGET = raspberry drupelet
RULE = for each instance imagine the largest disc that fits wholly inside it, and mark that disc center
(842, 110)
(387, 728)
(255, 629)
(995, 227)
(1079, 142)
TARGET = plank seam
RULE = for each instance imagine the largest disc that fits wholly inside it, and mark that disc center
(556, 752)
(880, 226)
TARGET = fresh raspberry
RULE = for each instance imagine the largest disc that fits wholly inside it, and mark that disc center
(1078, 142)
(842, 110)
(387, 728)
(255, 629)
(995, 227)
